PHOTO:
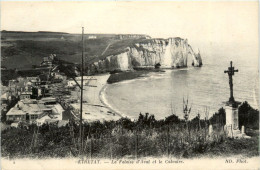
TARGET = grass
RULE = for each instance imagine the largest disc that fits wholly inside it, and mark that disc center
(231, 147)
(145, 137)
(119, 142)
(24, 49)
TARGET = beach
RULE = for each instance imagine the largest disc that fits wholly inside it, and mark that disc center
(95, 106)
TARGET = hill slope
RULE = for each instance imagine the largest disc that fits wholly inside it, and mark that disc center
(23, 49)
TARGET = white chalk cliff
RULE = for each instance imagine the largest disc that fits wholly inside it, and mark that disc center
(169, 53)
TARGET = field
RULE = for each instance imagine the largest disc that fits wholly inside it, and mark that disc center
(23, 49)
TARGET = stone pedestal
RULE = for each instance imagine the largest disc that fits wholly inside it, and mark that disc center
(232, 126)
(210, 136)
(243, 130)
(210, 130)
(231, 117)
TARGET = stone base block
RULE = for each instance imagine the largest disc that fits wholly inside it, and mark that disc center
(239, 136)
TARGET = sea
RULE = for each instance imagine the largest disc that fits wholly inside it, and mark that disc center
(206, 87)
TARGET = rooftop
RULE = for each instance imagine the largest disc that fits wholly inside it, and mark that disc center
(4, 96)
(33, 106)
(48, 99)
(26, 93)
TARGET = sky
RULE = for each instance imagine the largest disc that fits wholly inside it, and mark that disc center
(211, 22)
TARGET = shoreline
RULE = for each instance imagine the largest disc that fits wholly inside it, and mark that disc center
(140, 73)
(105, 103)
(95, 109)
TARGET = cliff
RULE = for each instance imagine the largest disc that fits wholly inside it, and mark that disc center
(169, 53)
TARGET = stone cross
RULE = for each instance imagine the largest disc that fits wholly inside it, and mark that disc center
(231, 70)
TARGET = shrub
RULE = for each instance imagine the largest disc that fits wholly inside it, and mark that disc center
(125, 138)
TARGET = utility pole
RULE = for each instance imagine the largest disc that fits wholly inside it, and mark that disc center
(81, 97)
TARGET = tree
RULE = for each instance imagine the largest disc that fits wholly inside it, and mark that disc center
(243, 114)
(172, 119)
(146, 120)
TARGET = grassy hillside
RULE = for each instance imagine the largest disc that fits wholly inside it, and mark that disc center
(24, 49)
(145, 137)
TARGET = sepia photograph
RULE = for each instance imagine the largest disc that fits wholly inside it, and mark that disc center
(129, 85)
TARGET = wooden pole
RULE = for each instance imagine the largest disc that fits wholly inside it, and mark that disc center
(136, 145)
(205, 128)
(91, 147)
(111, 151)
(231, 131)
(81, 97)
(32, 143)
(82, 141)
(168, 136)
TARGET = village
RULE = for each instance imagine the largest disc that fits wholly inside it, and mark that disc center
(51, 97)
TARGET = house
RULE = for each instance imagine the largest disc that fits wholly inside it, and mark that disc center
(47, 62)
(25, 95)
(34, 81)
(30, 110)
(86, 80)
(92, 37)
(60, 75)
(16, 87)
(11, 82)
(24, 110)
(48, 101)
(4, 101)
(71, 83)
(3, 88)
(33, 78)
